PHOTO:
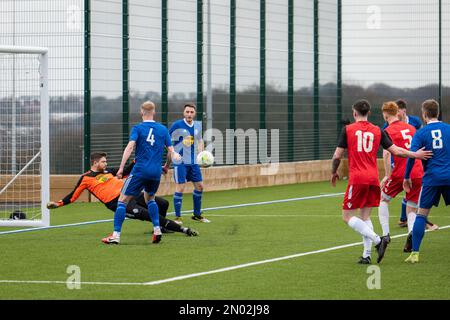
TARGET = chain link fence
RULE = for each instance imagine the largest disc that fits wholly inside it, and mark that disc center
(285, 65)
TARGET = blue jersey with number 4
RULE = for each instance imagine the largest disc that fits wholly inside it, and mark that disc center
(151, 138)
(435, 136)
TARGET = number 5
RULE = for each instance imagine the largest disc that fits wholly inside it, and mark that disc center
(407, 137)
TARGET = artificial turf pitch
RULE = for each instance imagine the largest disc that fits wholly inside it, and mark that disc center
(235, 237)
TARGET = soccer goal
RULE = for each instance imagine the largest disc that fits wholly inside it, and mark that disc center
(24, 137)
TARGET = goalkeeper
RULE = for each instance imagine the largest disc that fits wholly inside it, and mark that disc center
(105, 186)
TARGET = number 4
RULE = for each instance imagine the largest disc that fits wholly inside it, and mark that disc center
(151, 137)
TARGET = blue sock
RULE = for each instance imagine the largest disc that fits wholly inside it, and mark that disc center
(197, 196)
(403, 216)
(418, 232)
(177, 203)
(119, 216)
(153, 212)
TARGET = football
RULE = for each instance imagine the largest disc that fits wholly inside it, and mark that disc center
(205, 159)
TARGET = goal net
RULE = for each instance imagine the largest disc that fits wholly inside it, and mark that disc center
(24, 137)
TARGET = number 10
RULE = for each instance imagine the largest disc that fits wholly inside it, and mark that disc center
(365, 141)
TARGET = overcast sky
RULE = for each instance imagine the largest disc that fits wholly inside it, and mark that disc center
(394, 42)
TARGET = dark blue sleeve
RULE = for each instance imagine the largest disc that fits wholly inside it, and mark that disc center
(173, 128)
(134, 134)
(415, 145)
(417, 123)
(409, 166)
(416, 142)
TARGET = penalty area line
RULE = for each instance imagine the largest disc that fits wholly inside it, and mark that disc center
(200, 274)
(173, 213)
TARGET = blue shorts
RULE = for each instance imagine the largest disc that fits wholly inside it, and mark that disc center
(183, 173)
(135, 184)
(430, 196)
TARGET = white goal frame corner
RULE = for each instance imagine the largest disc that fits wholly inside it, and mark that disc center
(45, 141)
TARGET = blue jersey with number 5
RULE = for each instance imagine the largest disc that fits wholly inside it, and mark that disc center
(151, 138)
(435, 136)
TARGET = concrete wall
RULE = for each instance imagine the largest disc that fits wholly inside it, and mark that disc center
(224, 178)
(215, 178)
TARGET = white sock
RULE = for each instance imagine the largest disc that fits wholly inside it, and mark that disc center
(383, 216)
(363, 229)
(157, 230)
(116, 234)
(367, 242)
(411, 219)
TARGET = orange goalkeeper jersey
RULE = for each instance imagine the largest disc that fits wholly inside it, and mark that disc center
(105, 186)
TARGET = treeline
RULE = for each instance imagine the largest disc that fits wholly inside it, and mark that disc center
(67, 116)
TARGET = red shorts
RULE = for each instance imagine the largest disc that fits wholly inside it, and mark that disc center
(361, 196)
(394, 186)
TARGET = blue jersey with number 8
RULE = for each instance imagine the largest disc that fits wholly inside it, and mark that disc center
(151, 138)
(435, 136)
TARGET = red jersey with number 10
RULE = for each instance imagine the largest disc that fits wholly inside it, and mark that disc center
(362, 140)
(401, 135)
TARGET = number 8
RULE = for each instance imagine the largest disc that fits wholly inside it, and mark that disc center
(437, 139)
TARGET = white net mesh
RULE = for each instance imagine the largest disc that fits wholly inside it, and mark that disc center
(20, 136)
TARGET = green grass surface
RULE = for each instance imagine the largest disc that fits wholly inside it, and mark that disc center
(235, 236)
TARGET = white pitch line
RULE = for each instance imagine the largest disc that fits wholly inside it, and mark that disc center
(328, 195)
(278, 215)
(172, 213)
(292, 216)
(200, 274)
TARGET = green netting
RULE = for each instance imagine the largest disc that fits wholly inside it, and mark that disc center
(231, 56)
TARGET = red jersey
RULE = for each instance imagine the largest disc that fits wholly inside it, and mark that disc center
(362, 140)
(401, 135)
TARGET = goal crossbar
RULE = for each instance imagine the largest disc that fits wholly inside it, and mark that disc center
(21, 49)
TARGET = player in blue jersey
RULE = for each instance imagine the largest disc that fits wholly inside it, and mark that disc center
(150, 138)
(188, 142)
(434, 136)
(389, 163)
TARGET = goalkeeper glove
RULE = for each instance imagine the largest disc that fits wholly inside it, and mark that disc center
(53, 205)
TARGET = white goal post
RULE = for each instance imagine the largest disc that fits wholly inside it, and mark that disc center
(24, 132)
